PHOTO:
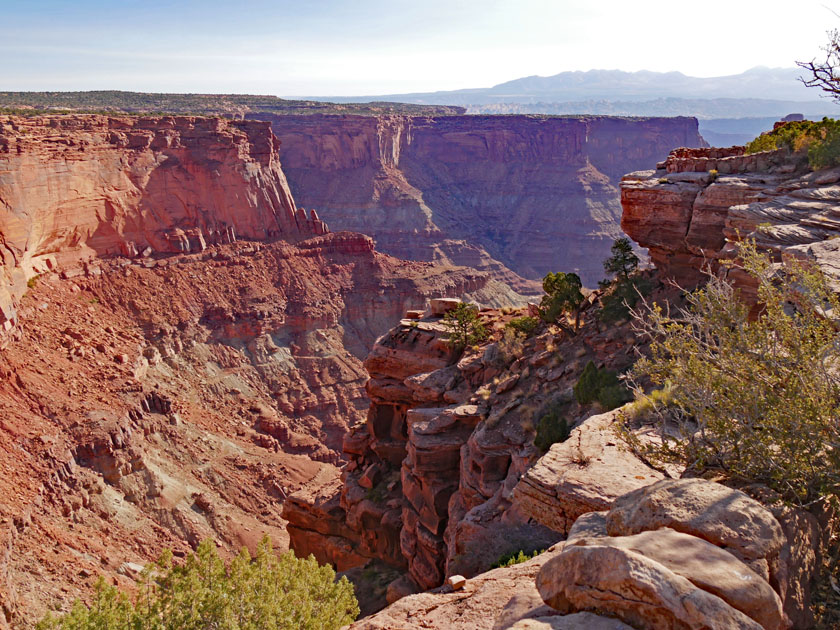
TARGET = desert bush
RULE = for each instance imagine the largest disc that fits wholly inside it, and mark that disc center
(757, 398)
(552, 426)
(464, 326)
(526, 325)
(601, 386)
(511, 345)
(268, 591)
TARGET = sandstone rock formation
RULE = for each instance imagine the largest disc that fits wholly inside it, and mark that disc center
(586, 473)
(685, 553)
(429, 487)
(688, 216)
(493, 193)
(76, 187)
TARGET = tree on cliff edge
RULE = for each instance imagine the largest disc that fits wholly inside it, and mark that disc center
(825, 74)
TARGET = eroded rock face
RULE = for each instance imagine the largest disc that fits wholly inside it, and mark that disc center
(689, 218)
(77, 187)
(494, 193)
(430, 482)
(586, 473)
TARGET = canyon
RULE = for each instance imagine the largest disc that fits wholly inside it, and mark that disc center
(181, 344)
(518, 196)
(187, 353)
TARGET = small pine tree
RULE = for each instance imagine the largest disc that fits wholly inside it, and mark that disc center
(623, 261)
(562, 295)
(464, 326)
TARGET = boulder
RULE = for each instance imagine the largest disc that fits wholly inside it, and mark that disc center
(706, 566)
(441, 306)
(636, 589)
(577, 621)
(723, 516)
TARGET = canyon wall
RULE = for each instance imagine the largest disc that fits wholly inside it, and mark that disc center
(696, 204)
(76, 187)
(186, 350)
(514, 195)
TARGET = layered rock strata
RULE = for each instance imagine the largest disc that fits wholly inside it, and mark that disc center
(429, 486)
(73, 188)
(188, 354)
(523, 193)
(690, 211)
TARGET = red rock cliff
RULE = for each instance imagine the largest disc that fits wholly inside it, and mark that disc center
(690, 210)
(532, 194)
(75, 187)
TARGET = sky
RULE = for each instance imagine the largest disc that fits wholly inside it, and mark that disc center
(348, 48)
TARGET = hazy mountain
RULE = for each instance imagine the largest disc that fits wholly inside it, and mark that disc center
(775, 84)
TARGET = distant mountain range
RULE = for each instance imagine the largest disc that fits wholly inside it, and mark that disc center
(778, 84)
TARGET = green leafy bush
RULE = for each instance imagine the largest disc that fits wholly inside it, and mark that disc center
(269, 591)
(552, 426)
(515, 557)
(526, 325)
(601, 386)
(820, 139)
(464, 326)
(755, 399)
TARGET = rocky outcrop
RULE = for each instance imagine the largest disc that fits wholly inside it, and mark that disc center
(691, 209)
(73, 188)
(494, 193)
(685, 553)
(429, 486)
(586, 473)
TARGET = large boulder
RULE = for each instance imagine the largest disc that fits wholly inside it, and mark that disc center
(707, 567)
(638, 590)
(577, 621)
(723, 516)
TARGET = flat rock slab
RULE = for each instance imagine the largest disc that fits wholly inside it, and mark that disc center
(586, 473)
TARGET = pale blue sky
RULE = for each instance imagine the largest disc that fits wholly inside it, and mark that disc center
(323, 47)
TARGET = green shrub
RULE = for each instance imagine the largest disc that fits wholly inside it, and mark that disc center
(601, 386)
(621, 295)
(754, 398)
(464, 326)
(552, 426)
(515, 557)
(269, 591)
(32, 282)
(820, 139)
(562, 295)
(526, 325)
